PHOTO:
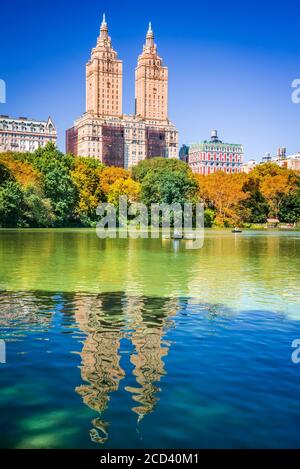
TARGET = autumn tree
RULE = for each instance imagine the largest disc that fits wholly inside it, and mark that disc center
(86, 175)
(223, 192)
(275, 184)
(110, 175)
(22, 171)
(128, 187)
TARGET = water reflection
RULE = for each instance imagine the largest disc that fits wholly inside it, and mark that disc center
(113, 302)
(114, 378)
(245, 271)
(107, 319)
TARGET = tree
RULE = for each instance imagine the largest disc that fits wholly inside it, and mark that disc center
(289, 211)
(254, 208)
(127, 187)
(37, 211)
(140, 171)
(5, 173)
(11, 201)
(209, 217)
(21, 171)
(110, 175)
(57, 184)
(61, 191)
(86, 175)
(224, 193)
(165, 186)
(275, 189)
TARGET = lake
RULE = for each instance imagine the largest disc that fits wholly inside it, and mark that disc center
(141, 343)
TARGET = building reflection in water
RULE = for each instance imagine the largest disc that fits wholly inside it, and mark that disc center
(107, 319)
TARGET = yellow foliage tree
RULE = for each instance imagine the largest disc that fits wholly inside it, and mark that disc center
(127, 187)
(87, 180)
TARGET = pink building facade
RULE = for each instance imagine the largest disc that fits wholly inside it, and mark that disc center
(213, 155)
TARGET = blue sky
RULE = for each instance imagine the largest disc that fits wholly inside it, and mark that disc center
(231, 64)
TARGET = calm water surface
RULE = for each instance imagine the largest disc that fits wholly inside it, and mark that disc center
(142, 343)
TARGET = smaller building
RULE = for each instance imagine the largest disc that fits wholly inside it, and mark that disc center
(283, 160)
(293, 163)
(213, 155)
(249, 166)
(184, 153)
(25, 135)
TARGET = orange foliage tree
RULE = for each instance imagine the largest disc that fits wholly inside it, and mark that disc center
(22, 171)
(223, 192)
(110, 175)
(275, 184)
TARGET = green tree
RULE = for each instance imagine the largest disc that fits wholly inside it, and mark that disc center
(290, 208)
(209, 217)
(255, 208)
(57, 183)
(140, 171)
(37, 211)
(165, 186)
(61, 191)
(5, 173)
(11, 203)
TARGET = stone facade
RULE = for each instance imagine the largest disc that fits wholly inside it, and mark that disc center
(213, 155)
(25, 135)
(104, 78)
(103, 132)
(151, 83)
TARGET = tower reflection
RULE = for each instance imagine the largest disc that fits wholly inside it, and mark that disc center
(107, 319)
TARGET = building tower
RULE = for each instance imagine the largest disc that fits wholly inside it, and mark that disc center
(104, 73)
(151, 83)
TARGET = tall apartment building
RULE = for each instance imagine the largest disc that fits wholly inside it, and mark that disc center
(104, 78)
(213, 155)
(104, 132)
(25, 135)
(151, 83)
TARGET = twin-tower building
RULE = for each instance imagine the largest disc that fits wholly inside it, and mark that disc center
(104, 132)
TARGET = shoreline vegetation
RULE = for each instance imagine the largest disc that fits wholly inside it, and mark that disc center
(48, 189)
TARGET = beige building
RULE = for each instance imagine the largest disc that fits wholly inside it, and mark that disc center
(104, 77)
(104, 132)
(151, 83)
(25, 135)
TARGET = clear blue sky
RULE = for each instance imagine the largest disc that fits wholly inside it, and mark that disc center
(231, 63)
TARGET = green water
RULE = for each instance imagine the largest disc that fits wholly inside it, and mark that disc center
(143, 343)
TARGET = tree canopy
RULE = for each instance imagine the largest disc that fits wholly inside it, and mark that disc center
(51, 189)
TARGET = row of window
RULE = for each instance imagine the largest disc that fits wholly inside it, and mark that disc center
(227, 149)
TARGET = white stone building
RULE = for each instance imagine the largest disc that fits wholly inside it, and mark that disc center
(25, 135)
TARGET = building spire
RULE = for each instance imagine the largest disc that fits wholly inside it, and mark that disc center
(104, 28)
(150, 36)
